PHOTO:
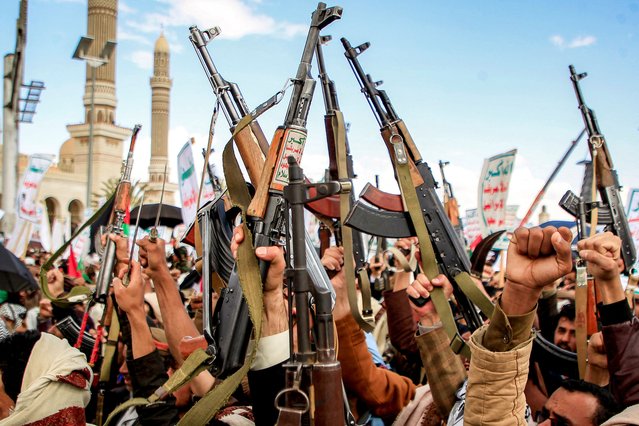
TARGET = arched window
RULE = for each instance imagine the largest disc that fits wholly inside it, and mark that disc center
(75, 212)
(53, 209)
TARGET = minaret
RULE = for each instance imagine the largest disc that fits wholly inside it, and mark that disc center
(107, 137)
(160, 105)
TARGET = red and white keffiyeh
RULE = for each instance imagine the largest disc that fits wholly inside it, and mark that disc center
(55, 388)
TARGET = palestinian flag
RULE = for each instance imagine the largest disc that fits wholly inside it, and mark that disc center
(72, 265)
(127, 221)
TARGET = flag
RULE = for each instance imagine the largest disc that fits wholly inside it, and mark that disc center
(188, 183)
(127, 221)
(72, 266)
(19, 239)
(30, 185)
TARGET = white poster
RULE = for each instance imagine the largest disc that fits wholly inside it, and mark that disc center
(494, 183)
(187, 180)
(28, 189)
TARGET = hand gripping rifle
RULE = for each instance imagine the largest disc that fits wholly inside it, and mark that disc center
(116, 222)
(424, 215)
(610, 210)
(313, 391)
(229, 329)
(109, 322)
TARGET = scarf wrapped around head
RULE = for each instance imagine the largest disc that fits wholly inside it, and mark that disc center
(55, 388)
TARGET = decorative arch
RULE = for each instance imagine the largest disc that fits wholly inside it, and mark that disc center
(53, 209)
(75, 212)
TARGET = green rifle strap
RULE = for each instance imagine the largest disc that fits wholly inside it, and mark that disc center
(77, 293)
(429, 261)
(198, 361)
(133, 402)
(407, 264)
(470, 289)
(365, 317)
(110, 347)
(251, 282)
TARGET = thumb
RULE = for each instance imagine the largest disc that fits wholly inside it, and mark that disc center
(143, 243)
(268, 254)
(561, 243)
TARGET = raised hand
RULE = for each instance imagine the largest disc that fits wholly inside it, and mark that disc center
(422, 287)
(602, 252)
(130, 298)
(152, 256)
(55, 281)
(536, 258)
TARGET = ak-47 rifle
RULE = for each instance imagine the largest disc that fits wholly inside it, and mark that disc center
(230, 328)
(450, 203)
(424, 215)
(313, 376)
(610, 210)
(121, 204)
(341, 169)
(109, 321)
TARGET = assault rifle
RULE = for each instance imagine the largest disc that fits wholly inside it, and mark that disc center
(341, 169)
(426, 212)
(610, 210)
(313, 376)
(121, 204)
(229, 328)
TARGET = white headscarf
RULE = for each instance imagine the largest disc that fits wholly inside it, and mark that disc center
(56, 385)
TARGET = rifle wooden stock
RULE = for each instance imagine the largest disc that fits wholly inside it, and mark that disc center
(330, 140)
(408, 141)
(257, 208)
(327, 398)
(381, 199)
(324, 234)
(603, 164)
(248, 141)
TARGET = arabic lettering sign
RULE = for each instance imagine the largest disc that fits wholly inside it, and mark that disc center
(187, 180)
(633, 216)
(294, 141)
(28, 190)
(494, 183)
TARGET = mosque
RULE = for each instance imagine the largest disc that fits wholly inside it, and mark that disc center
(64, 188)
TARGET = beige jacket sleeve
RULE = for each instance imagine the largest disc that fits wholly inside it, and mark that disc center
(496, 380)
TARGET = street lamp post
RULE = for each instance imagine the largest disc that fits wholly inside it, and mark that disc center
(94, 62)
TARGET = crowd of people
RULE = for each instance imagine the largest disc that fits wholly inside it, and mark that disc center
(404, 372)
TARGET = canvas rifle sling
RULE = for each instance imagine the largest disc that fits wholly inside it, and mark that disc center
(250, 280)
(428, 259)
(192, 366)
(77, 293)
(365, 317)
(408, 264)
